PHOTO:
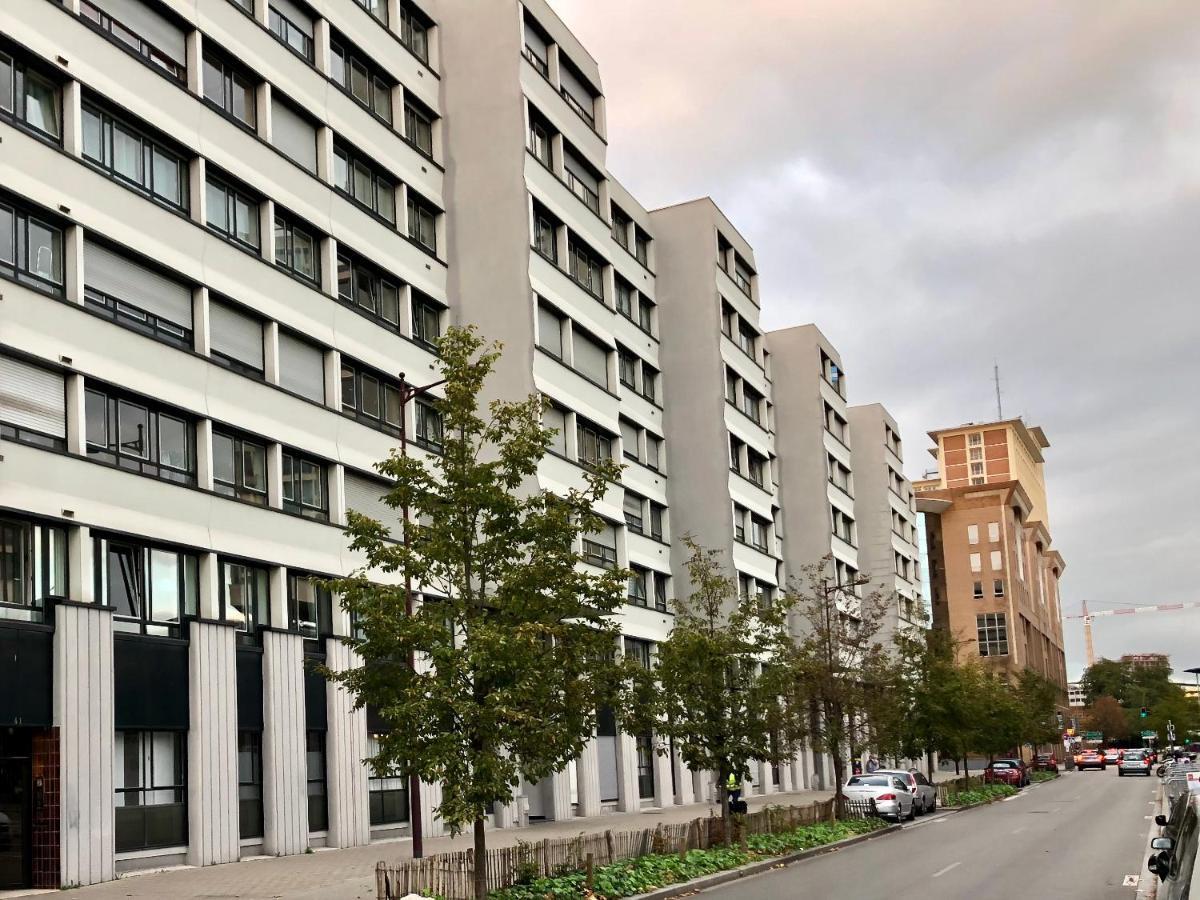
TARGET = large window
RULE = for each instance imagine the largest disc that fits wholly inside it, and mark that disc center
(590, 357)
(422, 222)
(239, 467)
(30, 98)
(418, 126)
(151, 786)
(304, 486)
(310, 609)
(593, 445)
(633, 509)
(292, 26)
(545, 231)
(245, 597)
(389, 793)
(137, 297)
(371, 397)
(582, 179)
(426, 320)
(297, 249)
(230, 88)
(992, 634)
(414, 31)
(600, 547)
(131, 155)
(361, 78)
(233, 213)
(250, 784)
(134, 434)
(33, 568)
(149, 588)
(31, 248)
(429, 424)
(364, 182)
(586, 268)
(364, 286)
(154, 38)
(318, 802)
(33, 404)
(636, 592)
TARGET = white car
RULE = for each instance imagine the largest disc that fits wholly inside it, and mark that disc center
(1134, 762)
(890, 793)
(923, 792)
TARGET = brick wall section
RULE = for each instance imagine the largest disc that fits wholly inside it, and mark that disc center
(45, 830)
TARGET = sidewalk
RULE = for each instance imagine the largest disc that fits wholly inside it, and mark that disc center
(350, 874)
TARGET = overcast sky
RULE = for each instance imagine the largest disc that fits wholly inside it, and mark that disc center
(941, 185)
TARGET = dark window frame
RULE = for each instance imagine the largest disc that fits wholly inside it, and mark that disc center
(257, 612)
(364, 381)
(250, 791)
(344, 54)
(178, 787)
(151, 149)
(136, 560)
(231, 73)
(383, 183)
(285, 260)
(150, 464)
(146, 52)
(239, 489)
(281, 28)
(14, 107)
(425, 215)
(354, 272)
(14, 260)
(27, 584)
(231, 195)
(294, 463)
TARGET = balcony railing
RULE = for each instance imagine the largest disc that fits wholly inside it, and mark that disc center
(588, 115)
(538, 63)
(583, 192)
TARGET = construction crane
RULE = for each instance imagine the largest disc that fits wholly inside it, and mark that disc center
(1127, 611)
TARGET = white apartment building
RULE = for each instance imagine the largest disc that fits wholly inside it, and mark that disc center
(888, 551)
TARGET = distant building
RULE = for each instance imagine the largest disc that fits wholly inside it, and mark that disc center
(1076, 695)
(1146, 660)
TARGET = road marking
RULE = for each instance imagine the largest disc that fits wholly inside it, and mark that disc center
(941, 872)
(1147, 817)
(1018, 830)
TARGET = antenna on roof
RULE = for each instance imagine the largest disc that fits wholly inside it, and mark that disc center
(996, 376)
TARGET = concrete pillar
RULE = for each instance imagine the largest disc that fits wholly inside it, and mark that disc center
(197, 178)
(685, 791)
(194, 50)
(72, 126)
(587, 768)
(210, 587)
(345, 750)
(765, 778)
(702, 786)
(213, 832)
(73, 263)
(507, 815)
(83, 713)
(266, 230)
(627, 784)
(81, 579)
(271, 352)
(329, 267)
(431, 797)
(336, 485)
(275, 477)
(560, 796)
(786, 772)
(285, 768)
(663, 795)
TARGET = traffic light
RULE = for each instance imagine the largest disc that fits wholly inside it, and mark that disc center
(1145, 711)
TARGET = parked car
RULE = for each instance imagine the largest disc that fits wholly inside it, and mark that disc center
(923, 792)
(1045, 762)
(891, 795)
(1002, 771)
(1112, 755)
(1019, 765)
(1134, 762)
(1090, 759)
(1175, 851)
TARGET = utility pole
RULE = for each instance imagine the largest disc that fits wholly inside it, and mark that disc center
(410, 392)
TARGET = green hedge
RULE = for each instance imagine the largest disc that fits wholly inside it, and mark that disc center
(1042, 776)
(637, 876)
(984, 794)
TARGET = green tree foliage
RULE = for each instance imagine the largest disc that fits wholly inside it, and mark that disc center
(1136, 686)
(721, 692)
(1037, 698)
(935, 713)
(1108, 717)
(517, 656)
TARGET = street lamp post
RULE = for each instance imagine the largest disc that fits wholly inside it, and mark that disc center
(410, 392)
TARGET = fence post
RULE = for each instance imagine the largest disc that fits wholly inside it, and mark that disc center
(608, 843)
(591, 872)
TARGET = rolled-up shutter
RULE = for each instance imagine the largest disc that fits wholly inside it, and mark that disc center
(150, 25)
(32, 397)
(580, 170)
(296, 15)
(234, 334)
(301, 367)
(364, 495)
(591, 358)
(573, 85)
(130, 282)
(293, 134)
(536, 42)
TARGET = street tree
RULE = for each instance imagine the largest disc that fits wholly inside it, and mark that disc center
(517, 653)
(1106, 716)
(1037, 698)
(720, 691)
(933, 716)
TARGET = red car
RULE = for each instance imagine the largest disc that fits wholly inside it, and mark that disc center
(1003, 771)
(1045, 762)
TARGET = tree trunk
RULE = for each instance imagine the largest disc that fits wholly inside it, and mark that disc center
(726, 816)
(929, 764)
(480, 861)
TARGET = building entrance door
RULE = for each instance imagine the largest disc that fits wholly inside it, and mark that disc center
(14, 823)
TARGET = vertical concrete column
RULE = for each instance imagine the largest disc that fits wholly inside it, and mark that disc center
(271, 352)
(663, 795)
(785, 776)
(333, 379)
(201, 337)
(685, 791)
(808, 768)
(765, 778)
(587, 770)
(345, 750)
(279, 598)
(72, 126)
(553, 66)
(262, 109)
(197, 178)
(83, 713)
(266, 229)
(73, 274)
(210, 587)
(194, 51)
(702, 786)
(627, 785)
(560, 796)
(204, 454)
(285, 766)
(261, 12)
(77, 443)
(275, 475)
(325, 170)
(213, 832)
(336, 483)
(329, 266)
(507, 815)
(321, 45)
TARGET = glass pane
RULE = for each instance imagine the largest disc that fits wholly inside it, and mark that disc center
(41, 103)
(133, 432)
(363, 185)
(364, 294)
(391, 405)
(386, 205)
(304, 606)
(93, 136)
(223, 462)
(95, 409)
(304, 254)
(214, 82)
(312, 491)
(341, 171)
(246, 215)
(45, 251)
(389, 296)
(56, 554)
(191, 585)
(127, 153)
(360, 82)
(6, 83)
(254, 466)
(172, 442)
(124, 582)
(381, 99)
(370, 396)
(167, 181)
(236, 594)
(243, 100)
(218, 213)
(164, 590)
(348, 392)
(289, 477)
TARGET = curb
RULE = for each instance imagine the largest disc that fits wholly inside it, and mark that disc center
(754, 868)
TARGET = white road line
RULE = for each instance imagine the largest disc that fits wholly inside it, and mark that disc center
(942, 872)
(1018, 830)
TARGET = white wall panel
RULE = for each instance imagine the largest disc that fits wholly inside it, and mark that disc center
(346, 748)
(285, 787)
(212, 746)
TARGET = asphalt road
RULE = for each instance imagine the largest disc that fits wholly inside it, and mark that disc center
(1076, 837)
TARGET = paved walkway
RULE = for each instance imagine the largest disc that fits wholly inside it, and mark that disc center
(350, 874)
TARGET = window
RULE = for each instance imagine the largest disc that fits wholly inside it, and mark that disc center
(418, 126)
(972, 534)
(536, 49)
(297, 249)
(976, 454)
(540, 141)
(742, 275)
(645, 320)
(414, 31)
(998, 587)
(751, 402)
(33, 404)
(576, 92)
(975, 439)
(388, 792)
(976, 468)
(359, 76)
(843, 525)
(292, 27)
(600, 547)
(304, 486)
(629, 440)
(727, 319)
(364, 182)
(239, 467)
(131, 433)
(232, 213)
(545, 240)
(582, 180)
(649, 383)
(992, 634)
(136, 296)
(235, 338)
(129, 154)
(976, 563)
(422, 222)
(627, 365)
(155, 39)
(736, 446)
(620, 225)
(555, 419)
(585, 267)
(150, 588)
(318, 805)
(641, 246)
(371, 397)
(550, 331)
(755, 467)
(429, 424)
(362, 285)
(245, 597)
(977, 481)
(636, 593)
(301, 367)
(230, 88)
(633, 504)
(592, 444)
(994, 532)
(739, 522)
(30, 98)
(293, 134)
(997, 560)
(759, 529)
(657, 515)
(747, 339)
(731, 385)
(626, 298)
(426, 320)
(250, 784)
(149, 777)
(33, 568)
(590, 357)
(310, 609)
(640, 652)
(653, 451)
(660, 591)
(978, 591)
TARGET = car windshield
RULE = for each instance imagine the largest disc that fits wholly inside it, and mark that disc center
(1001, 765)
(1135, 754)
(873, 780)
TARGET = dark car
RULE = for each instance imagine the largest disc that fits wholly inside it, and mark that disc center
(1002, 771)
(1045, 762)
(1019, 765)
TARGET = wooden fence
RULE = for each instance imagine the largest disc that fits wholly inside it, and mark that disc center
(452, 875)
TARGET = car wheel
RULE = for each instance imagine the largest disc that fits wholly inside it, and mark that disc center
(933, 803)
(1120, 773)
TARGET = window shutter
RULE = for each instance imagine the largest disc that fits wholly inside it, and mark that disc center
(573, 165)
(32, 397)
(591, 359)
(550, 331)
(364, 495)
(297, 16)
(150, 25)
(553, 417)
(573, 85)
(234, 334)
(132, 283)
(535, 41)
(301, 367)
(293, 134)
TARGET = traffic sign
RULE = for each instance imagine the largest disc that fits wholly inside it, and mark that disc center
(1093, 736)
(1149, 734)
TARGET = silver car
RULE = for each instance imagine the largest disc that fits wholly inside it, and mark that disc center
(890, 793)
(923, 792)
(1134, 762)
